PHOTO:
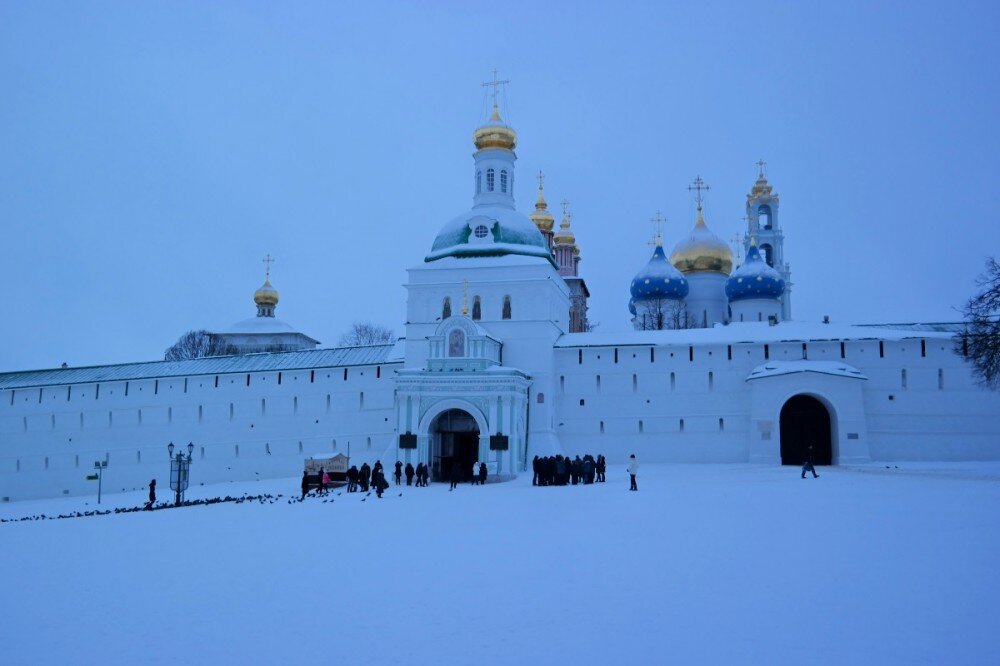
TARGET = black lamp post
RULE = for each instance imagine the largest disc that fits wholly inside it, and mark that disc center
(180, 469)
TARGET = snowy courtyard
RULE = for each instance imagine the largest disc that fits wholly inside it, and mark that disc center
(727, 564)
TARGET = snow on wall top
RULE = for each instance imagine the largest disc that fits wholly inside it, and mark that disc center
(745, 332)
(776, 368)
(215, 365)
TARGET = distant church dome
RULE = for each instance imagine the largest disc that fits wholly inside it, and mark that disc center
(658, 279)
(702, 251)
(495, 134)
(754, 279)
(542, 218)
(266, 295)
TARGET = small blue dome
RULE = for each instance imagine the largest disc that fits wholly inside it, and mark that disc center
(658, 279)
(754, 279)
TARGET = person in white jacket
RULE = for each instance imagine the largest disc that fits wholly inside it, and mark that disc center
(633, 469)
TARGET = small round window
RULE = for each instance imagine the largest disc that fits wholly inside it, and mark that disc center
(481, 231)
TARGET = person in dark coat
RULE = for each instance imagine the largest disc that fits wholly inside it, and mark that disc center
(427, 474)
(378, 480)
(456, 473)
(420, 474)
(322, 486)
(577, 470)
(398, 473)
(352, 479)
(808, 467)
(588, 469)
(409, 474)
(602, 467)
(535, 468)
(364, 476)
(152, 494)
(305, 484)
(482, 474)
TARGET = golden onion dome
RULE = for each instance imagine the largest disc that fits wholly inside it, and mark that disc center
(761, 188)
(266, 295)
(495, 134)
(702, 251)
(542, 217)
(565, 235)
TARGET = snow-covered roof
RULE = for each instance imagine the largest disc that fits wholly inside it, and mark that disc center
(776, 368)
(212, 365)
(489, 262)
(743, 332)
(263, 326)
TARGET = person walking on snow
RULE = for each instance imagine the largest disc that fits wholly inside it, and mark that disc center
(305, 484)
(324, 481)
(808, 467)
(322, 475)
(152, 494)
(482, 474)
(633, 469)
(398, 474)
(409, 474)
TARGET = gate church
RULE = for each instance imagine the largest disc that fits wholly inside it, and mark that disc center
(497, 365)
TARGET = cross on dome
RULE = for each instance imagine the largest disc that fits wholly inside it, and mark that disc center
(760, 167)
(697, 188)
(495, 84)
(658, 220)
(267, 261)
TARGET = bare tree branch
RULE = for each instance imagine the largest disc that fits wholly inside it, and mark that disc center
(979, 343)
(198, 344)
(364, 333)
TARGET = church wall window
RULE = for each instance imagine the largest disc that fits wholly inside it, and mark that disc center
(503, 181)
(843, 350)
(598, 383)
(490, 177)
(616, 354)
(541, 398)
(446, 308)
(680, 426)
(201, 413)
(635, 383)
(722, 425)
(378, 372)
(582, 402)
(361, 403)
(279, 379)
(456, 343)
(902, 378)
(232, 411)
(328, 402)
(506, 307)
(579, 356)
(295, 405)
(767, 352)
(312, 376)
(345, 374)
(652, 354)
(940, 379)
(641, 428)
(805, 352)
(477, 308)
(236, 450)
(711, 381)
(263, 406)
(562, 383)
(923, 348)
(690, 353)
(368, 442)
(602, 427)
(300, 447)
(673, 381)
(156, 385)
(729, 352)
(881, 349)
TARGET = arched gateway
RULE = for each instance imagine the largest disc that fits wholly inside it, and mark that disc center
(454, 440)
(805, 421)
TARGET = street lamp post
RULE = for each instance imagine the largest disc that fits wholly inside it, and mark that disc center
(100, 466)
(180, 469)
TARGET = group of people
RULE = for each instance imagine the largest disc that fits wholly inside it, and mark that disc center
(421, 474)
(562, 470)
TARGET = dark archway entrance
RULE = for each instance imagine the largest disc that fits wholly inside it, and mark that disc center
(454, 438)
(805, 421)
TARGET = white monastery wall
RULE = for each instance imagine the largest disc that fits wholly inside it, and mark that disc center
(243, 426)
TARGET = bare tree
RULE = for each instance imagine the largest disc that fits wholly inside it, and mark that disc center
(364, 333)
(198, 344)
(656, 314)
(979, 343)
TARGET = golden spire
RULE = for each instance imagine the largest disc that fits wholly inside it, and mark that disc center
(267, 296)
(541, 216)
(564, 236)
(465, 298)
(495, 133)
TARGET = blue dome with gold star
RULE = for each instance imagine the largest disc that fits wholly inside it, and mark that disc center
(658, 279)
(754, 279)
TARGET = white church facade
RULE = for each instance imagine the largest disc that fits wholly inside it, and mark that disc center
(498, 365)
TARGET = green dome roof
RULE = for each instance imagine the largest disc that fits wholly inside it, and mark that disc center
(489, 231)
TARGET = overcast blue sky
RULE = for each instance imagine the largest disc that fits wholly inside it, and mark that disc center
(152, 153)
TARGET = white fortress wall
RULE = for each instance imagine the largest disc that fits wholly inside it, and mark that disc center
(244, 426)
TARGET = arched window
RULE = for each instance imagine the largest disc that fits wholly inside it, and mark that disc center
(446, 308)
(477, 308)
(503, 181)
(506, 307)
(456, 343)
(489, 180)
(479, 182)
(764, 217)
(768, 254)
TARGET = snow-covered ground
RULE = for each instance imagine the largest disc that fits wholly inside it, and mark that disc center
(730, 564)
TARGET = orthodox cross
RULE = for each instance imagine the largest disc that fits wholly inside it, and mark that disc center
(658, 220)
(495, 84)
(565, 205)
(737, 243)
(760, 167)
(697, 187)
(541, 179)
(267, 266)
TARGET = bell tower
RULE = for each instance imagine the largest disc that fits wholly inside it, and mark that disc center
(763, 225)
